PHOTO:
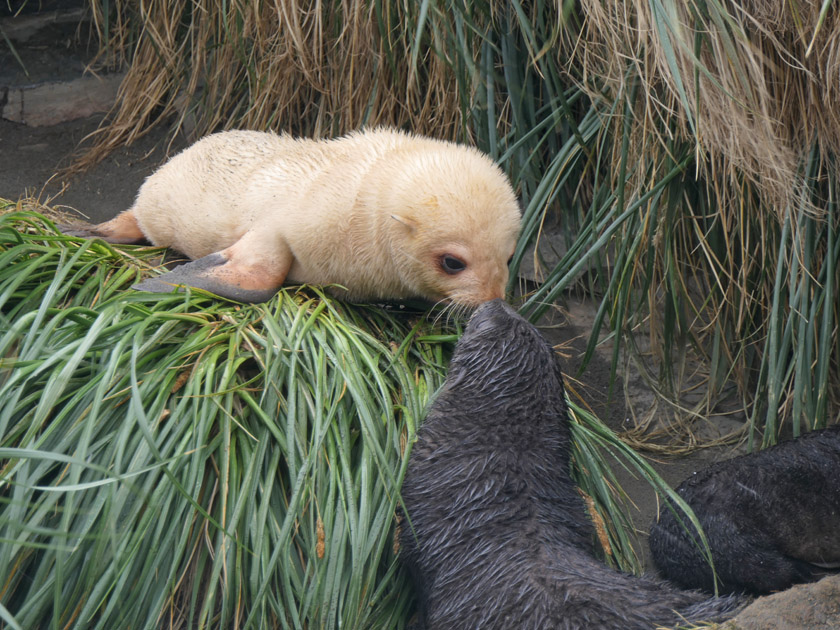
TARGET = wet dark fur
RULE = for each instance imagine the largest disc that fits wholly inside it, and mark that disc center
(502, 536)
(771, 518)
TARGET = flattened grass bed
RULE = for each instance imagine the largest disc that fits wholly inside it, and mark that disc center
(179, 461)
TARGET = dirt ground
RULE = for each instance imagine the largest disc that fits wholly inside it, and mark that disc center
(32, 155)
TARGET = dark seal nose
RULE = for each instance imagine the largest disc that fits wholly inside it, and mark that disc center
(495, 314)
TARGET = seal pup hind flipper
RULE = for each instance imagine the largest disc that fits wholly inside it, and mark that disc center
(245, 271)
(122, 230)
(251, 270)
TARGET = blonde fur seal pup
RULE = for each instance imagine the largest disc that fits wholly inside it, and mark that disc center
(383, 213)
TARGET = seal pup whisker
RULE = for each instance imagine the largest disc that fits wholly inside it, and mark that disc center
(450, 312)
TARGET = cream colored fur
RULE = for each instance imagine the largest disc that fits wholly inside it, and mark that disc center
(373, 211)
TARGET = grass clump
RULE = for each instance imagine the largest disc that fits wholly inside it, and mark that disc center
(724, 219)
(178, 461)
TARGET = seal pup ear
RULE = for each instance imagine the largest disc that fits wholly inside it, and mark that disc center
(409, 223)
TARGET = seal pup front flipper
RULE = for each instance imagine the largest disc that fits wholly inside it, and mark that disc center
(244, 272)
(121, 230)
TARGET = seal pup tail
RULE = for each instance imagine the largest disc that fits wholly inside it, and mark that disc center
(122, 230)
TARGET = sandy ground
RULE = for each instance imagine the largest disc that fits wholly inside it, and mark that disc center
(31, 156)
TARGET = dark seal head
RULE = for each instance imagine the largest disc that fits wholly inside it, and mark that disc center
(772, 519)
(496, 535)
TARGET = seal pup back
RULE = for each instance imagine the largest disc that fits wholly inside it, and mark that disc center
(771, 518)
(385, 214)
(495, 534)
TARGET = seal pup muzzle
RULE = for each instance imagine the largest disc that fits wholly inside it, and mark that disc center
(382, 213)
(495, 533)
(771, 518)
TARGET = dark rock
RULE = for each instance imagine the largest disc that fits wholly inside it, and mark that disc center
(813, 606)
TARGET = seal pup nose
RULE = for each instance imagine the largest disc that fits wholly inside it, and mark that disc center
(496, 306)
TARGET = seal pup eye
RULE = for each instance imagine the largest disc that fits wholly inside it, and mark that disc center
(452, 265)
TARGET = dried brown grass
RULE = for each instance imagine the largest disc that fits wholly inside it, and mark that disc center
(309, 68)
(741, 257)
(755, 83)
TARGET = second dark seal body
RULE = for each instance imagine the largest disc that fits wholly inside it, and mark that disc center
(772, 519)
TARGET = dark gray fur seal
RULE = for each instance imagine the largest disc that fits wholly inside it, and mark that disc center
(772, 519)
(497, 536)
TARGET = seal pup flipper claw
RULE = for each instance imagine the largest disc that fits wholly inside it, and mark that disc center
(215, 274)
(237, 273)
(122, 230)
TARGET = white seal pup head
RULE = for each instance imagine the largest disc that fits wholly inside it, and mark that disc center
(454, 221)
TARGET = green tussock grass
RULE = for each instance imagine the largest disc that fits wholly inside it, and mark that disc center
(179, 461)
(687, 152)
